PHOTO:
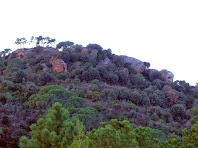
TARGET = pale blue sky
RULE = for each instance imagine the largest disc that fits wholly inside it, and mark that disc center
(164, 33)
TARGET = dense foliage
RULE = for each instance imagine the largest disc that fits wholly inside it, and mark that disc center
(105, 101)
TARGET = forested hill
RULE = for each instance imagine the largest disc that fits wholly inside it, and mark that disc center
(72, 96)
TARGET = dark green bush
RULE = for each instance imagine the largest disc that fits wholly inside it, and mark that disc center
(76, 102)
(136, 98)
(45, 77)
(178, 110)
(90, 117)
(19, 76)
(157, 98)
(112, 78)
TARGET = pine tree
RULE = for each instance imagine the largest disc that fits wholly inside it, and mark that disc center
(55, 129)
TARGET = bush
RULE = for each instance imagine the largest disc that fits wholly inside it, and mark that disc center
(94, 46)
(135, 98)
(118, 61)
(76, 102)
(157, 110)
(193, 111)
(124, 94)
(157, 98)
(8, 85)
(94, 74)
(62, 76)
(13, 65)
(55, 129)
(94, 96)
(19, 76)
(123, 78)
(112, 78)
(194, 119)
(121, 134)
(178, 110)
(90, 117)
(30, 89)
(45, 77)
(102, 71)
(49, 95)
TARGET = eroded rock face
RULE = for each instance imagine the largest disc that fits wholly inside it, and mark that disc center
(20, 53)
(106, 62)
(59, 65)
(134, 63)
(167, 75)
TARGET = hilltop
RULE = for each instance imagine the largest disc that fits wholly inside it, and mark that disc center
(95, 85)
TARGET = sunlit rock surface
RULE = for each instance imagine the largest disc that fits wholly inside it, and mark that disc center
(167, 75)
(59, 65)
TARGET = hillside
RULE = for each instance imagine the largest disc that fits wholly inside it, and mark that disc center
(95, 86)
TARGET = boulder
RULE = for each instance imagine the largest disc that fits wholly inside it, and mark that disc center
(134, 63)
(167, 75)
(106, 62)
(59, 65)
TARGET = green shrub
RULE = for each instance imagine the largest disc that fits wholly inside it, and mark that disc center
(90, 117)
(193, 111)
(8, 85)
(158, 98)
(62, 76)
(55, 129)
(8, 97)
(76, 102)
(45, 77)
(49, 95)
(94, 96)
(13, 65)
(98, 107)
(178, 110)
(19, 76)
(194, 119)
(135, 97)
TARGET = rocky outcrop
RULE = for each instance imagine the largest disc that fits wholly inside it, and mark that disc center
(92, 53)
(134, 63)
(106, 62)
(59, 65)
(20, 53)
(167, 75)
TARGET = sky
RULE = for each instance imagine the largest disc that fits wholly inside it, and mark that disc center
(161, 32)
